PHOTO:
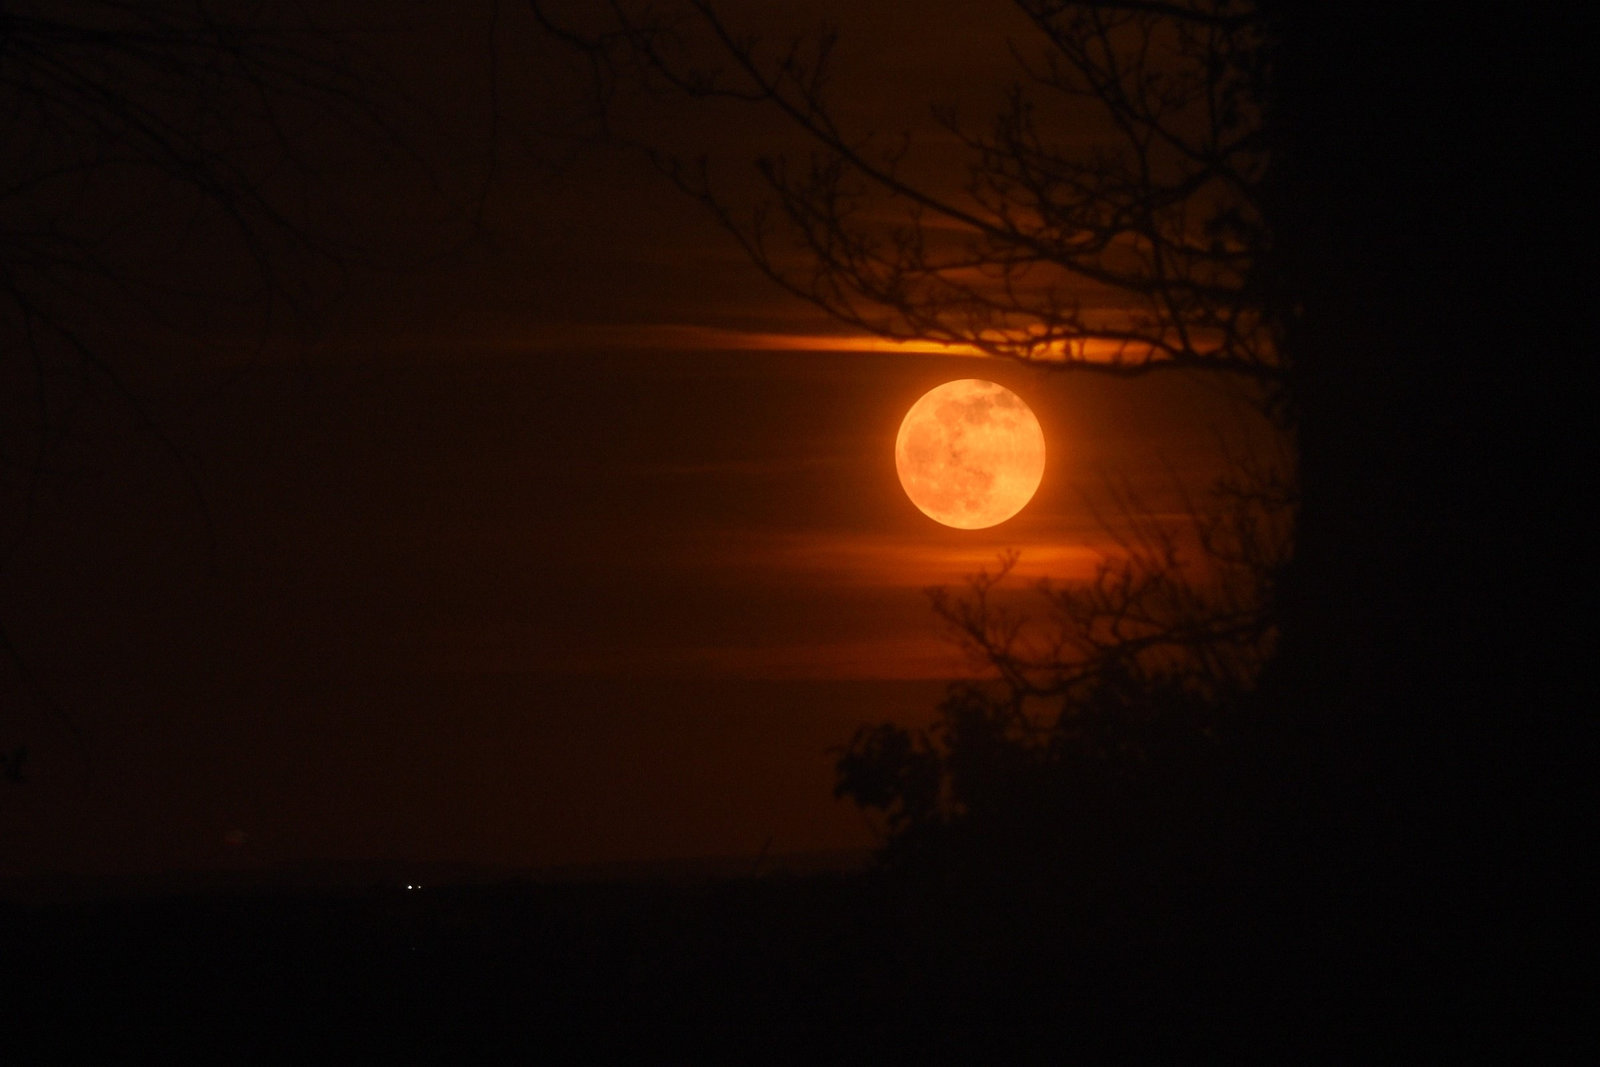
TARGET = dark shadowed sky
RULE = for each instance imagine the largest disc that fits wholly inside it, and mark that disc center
(577, 542)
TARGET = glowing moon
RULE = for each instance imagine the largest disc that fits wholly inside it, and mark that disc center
(970, 454)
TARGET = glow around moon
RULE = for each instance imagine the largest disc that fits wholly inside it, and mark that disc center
(970, 454)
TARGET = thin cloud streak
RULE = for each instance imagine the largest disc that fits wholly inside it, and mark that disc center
(906, 563)
(716, 338)
(692, 337)
(897, 658)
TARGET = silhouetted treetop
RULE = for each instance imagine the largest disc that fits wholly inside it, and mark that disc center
(1133, 250)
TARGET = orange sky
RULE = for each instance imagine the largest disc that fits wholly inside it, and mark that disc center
(583, 542)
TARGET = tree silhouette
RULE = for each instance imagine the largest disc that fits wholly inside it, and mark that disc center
(1362, 213)
(1137, 253)
(166, 163)
(1104, 697)
(1139, 249)
(126, 120)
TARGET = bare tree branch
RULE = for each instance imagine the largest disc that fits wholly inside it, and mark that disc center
(1137, 254)
(142, 134)
(1107, 218)
(1157, 650)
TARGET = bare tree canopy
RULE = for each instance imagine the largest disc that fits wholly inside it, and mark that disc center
(1106, 217)
(120, 117)
(1135, 250)
(172, 170)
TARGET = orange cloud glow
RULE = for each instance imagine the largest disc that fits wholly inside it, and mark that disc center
(669, 336)
(689, 336)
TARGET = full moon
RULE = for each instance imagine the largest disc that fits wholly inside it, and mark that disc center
(970, 454)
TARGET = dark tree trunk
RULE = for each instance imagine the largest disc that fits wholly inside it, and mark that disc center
(1427, 655)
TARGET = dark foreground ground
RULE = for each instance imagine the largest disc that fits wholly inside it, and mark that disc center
(809, 969)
